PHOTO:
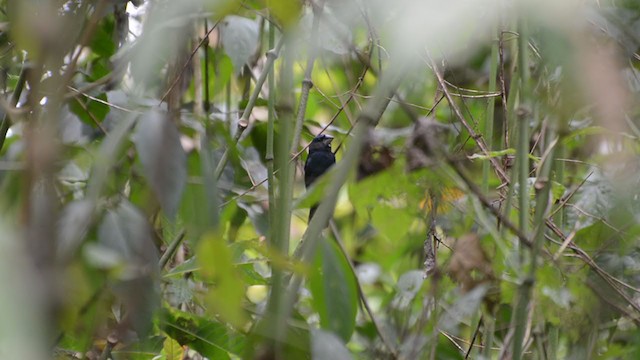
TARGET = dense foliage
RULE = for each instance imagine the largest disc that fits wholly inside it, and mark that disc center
(484, 203)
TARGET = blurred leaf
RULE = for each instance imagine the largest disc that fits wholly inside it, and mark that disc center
(163, 159)
(73, 225)
(333, 35)
(239, 39)
(409, 284)
(224, 68)
(334, 291)
(327, 346)
(212, 339)
(285, 11)
(463, 308)
(126, 231)
(226, 293)
(592, 200)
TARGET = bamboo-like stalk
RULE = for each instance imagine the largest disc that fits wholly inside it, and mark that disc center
(368, 117)
(543, 190)
(282, 217)
(307, 83)
(522, 170)
(244, 119)
(270, 132)
(522, 150)
(488, 122)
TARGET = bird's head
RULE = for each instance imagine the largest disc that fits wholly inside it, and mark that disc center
(320, 142)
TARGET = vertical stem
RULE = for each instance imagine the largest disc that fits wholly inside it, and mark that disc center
(522, 163)
(307, 84)
(488, 122)
(489, 328)
(277, 307)
(270, 131)
(522, 151)
(205, 48)
(558, 218)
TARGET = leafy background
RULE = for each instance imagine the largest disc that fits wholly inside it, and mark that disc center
(484, 203)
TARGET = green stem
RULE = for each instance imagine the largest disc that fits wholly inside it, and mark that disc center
(488, 122)
(307, 83)
(522, 163)
(243, 123)
(270, 132)
(282, 217)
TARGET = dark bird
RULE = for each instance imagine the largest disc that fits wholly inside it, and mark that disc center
(320, 159)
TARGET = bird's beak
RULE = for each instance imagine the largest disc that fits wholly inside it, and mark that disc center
(327, 140)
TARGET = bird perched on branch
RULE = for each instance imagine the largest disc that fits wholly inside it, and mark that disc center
(320, 159)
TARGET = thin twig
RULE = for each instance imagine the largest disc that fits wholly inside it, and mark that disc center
(487, 204)
(205, 39)
(93, 118)
(478, 138)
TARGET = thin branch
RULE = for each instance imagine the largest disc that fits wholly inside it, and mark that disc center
(93, 118)
(478, 138)
(487, 204)
(205, 39)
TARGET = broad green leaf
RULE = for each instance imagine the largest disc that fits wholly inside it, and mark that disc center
(210, 338)
(226, 292)
(334, 291)
(102, 42)
(163, 160)
(90, 111)
(171, 349)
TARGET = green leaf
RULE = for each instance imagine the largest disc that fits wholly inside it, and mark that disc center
(335, 295)
(223, 74)
(163, 159)
(90, 111)
(493, 154)
(171, 349)
(102, 42)
(226, 294)
(210, 338)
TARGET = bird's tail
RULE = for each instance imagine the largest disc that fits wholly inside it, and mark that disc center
(312, 211)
